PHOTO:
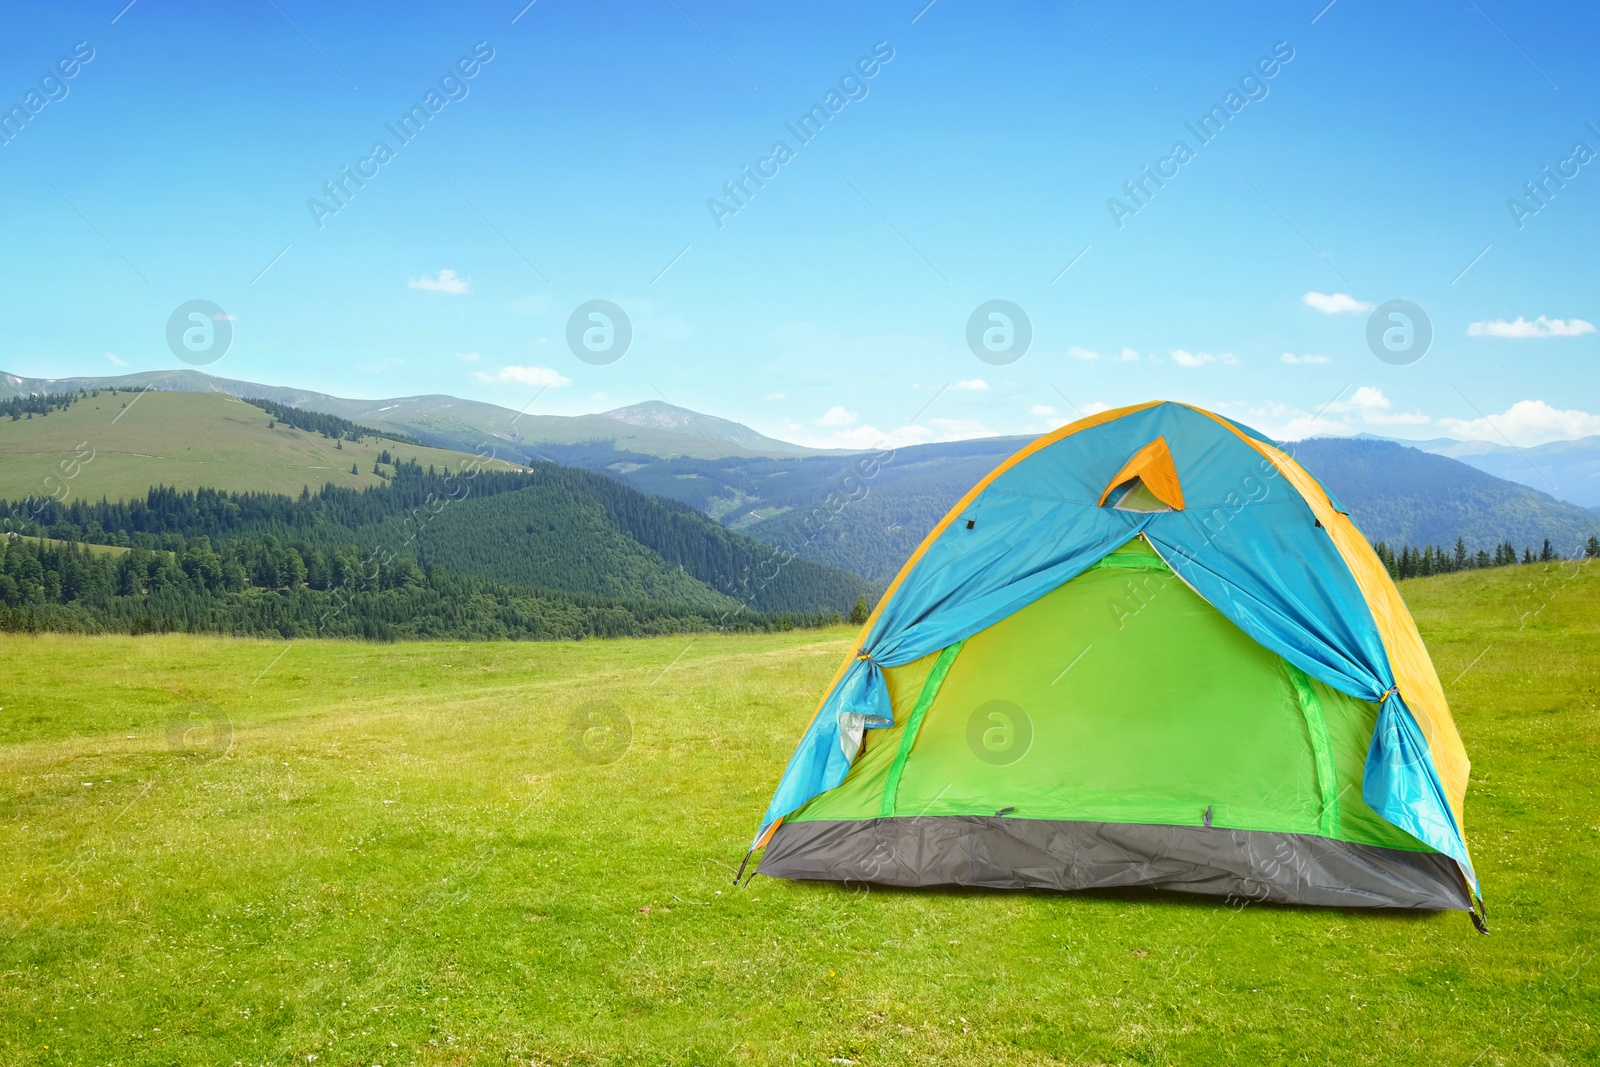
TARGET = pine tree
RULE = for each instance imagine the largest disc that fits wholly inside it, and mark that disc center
(1546, 554)
(354, 469)
(1527, 554)
(858, 612)
(1592, 549)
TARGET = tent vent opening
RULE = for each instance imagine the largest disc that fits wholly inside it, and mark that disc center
(1147, 482)
(1134, 495)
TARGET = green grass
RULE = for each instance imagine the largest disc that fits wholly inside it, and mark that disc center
(119, 446)
(403, 859)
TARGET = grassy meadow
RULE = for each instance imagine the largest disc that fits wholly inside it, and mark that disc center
(101, 446)
(220, 851)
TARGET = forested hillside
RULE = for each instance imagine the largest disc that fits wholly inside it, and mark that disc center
(1408, 497)
(261, 587)
(548, 552)
(330, 426)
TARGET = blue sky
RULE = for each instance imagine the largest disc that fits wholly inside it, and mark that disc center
(976, 164)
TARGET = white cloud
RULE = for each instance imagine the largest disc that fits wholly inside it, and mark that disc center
(1539, 327)
(1082, 353)
(975, 385)
(1042, 410)
(526, 376)
(1373, 408)
(1365, 398)
(1527, 422)
(774, 396)
(1128, 355)
(114, 358)
(1095, 407)
(1335, 303)
(1199, 359)
(446, 281)
(470, 357)
(1365, 409)
(837, 416)
(1290, 357)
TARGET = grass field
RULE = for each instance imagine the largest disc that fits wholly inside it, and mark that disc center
(118, 446)
(218, 852)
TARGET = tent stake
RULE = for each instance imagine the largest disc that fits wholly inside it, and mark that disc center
(741, 868)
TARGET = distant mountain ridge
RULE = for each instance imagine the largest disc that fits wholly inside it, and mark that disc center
(816, 504)
(1567, 470)
(1407, 496)
(652, 428)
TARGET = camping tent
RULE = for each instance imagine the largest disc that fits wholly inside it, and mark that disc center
(1147, 649)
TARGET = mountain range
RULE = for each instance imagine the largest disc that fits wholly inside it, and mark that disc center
(1567, 470)
(651, 428)
(865, 513)
(243, 518)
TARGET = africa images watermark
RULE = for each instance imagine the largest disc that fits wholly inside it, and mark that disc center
(852, 86)
(53, 88)
(1252, 86)
(1543, 189)
(452, 87)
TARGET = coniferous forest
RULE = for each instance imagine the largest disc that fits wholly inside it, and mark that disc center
(549, 553)
(1429, 560)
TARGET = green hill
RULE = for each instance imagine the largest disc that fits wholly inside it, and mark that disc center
(117, 445)
(547, 552)
(249, 504)
(652, 428)
(863, 513)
